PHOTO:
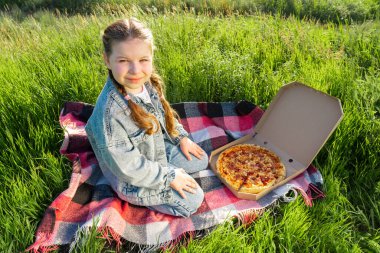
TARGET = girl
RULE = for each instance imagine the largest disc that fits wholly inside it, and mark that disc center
(142, 149)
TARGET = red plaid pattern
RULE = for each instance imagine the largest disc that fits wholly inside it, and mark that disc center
(89, 197)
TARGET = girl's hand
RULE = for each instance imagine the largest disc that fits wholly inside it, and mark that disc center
(183, 182)
(189, 147)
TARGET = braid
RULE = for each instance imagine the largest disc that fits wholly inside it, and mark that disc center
(142, 118)
(170, 114)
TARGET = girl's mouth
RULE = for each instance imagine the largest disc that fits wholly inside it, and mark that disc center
(134, 80)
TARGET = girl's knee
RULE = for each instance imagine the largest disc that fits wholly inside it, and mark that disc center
(203, 162)
(182, 207)
(196, 164)
(196, 199)
(191, 205)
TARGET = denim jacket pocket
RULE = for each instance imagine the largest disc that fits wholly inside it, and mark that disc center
(138, 137)
(146, 197)
(130, 190)
(129, 193)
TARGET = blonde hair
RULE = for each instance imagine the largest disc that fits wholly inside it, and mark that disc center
(131, 28)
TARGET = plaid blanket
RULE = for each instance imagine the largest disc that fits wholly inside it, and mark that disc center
(89, 200)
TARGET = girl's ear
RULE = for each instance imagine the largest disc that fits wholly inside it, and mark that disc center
(106, 60)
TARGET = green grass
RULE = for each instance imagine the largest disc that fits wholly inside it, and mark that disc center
(48, 59)
(338, 11)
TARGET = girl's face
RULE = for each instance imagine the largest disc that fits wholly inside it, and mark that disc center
(131, 63)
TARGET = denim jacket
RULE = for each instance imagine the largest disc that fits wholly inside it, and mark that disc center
(133, 162)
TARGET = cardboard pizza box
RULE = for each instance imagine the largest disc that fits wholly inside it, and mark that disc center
(295, 126)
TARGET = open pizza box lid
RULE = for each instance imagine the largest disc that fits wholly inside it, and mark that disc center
(295, 126)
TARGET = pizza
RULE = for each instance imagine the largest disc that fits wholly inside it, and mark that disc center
(250, 168)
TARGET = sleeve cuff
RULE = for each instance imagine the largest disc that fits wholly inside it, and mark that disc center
(181, 135)
(170, 177)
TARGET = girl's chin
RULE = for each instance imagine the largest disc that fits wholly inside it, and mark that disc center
(134, 88)
(134, 83)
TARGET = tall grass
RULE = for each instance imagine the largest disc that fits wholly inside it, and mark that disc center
(47, 59)
(337, 11)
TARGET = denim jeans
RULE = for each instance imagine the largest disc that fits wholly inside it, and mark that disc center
(179, 206)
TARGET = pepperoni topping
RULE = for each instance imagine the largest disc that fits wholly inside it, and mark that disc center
(250, 165)
(265, 180)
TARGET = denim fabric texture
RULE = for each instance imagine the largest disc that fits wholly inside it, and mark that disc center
(134, 163)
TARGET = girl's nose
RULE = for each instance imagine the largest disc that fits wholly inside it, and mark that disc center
(134, 68)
